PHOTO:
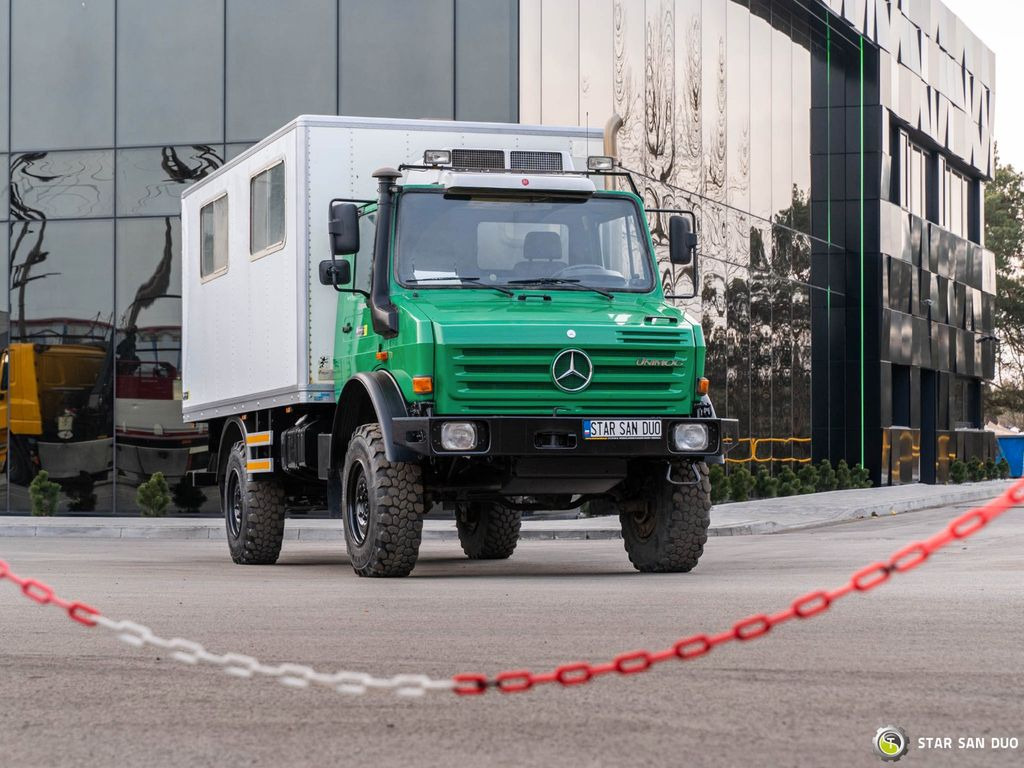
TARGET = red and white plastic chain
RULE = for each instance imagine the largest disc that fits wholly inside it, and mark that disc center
(519, 680)
(758, 625)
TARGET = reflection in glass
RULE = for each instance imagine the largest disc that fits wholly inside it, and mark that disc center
(150, 181)
(170, 73)
(151, 436)
(62, 185)
(267, 84)
(411, 47)
(60, 395)
(62, 95)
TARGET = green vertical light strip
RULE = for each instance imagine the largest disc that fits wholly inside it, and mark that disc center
(862, 420)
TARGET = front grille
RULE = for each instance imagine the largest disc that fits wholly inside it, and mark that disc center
(536, 161)
(479, 159)
(519, 380)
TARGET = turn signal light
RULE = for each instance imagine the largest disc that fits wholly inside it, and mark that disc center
(702, 386)
(422, 385)
(382, 355)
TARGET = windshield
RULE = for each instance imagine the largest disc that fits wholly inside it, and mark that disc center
(597, 243)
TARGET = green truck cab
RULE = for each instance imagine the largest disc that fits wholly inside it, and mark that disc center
(503, 348)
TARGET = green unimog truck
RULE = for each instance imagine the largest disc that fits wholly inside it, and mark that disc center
(389, 317)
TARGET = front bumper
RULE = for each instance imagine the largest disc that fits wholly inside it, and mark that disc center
(555, 436)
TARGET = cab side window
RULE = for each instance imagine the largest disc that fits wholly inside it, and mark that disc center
(364, 259)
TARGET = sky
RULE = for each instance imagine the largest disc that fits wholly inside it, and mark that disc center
(998, 23)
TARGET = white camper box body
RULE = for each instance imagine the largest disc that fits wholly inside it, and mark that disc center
(261, 334)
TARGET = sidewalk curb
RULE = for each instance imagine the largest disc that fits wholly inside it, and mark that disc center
(830, 508)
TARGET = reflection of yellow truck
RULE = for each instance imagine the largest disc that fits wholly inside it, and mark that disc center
(52, 396)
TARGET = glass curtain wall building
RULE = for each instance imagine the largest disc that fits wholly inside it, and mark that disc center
(834, 152)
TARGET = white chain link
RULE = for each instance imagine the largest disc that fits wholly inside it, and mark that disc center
(292, 675)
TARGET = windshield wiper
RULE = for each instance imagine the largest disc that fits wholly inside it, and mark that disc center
(464, 282)
(566, 281)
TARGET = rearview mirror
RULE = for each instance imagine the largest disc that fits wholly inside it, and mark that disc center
(343, 228)
(336, 273)
(682, 242)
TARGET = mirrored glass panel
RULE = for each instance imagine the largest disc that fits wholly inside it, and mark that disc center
(5, 80)
(397, 58)
(170, 72)
(62, 185)
(61, 374)
(487, 60)
(5, 177)
(62, 74)
(151, 436)
(267, 83)
(150, 181)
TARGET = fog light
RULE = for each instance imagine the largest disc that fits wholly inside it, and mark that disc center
(437, 157)
(458, 436)
(690, 437)
(600, 163)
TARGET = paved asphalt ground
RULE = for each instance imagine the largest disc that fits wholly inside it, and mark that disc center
(938, 651)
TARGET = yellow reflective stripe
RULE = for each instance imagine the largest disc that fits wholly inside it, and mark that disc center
(258, 438)
(259, 465)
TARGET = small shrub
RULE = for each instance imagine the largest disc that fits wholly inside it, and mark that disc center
(808, 477)
(741, 483)
(43, 495)
(975, 470)
(861, 478)
(765, 486)
(1003, 468)
(844, 479)
(957, 472)
(826, 476)
(187, 498)
(719, 484)
(153, 496)
(991, 471)
(789, 485)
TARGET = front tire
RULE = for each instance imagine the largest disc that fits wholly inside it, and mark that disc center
(665, 531)
(488, 531)
(382, 507)
(253, 513)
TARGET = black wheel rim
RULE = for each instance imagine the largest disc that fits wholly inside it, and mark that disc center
(357, 504)
(234, 505)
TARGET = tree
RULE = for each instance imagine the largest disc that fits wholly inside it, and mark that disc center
(153, 496)
(1004, 236)
(43, 494)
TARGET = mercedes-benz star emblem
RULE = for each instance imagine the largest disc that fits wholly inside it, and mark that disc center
(572, 370)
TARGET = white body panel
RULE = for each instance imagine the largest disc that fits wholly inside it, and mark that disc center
(255, 335)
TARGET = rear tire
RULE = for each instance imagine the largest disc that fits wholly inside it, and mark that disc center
(382, 507)
(667, 532)
(487, 531)
(253, 513)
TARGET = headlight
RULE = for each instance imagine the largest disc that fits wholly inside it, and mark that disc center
(458, 436)
(690, 437)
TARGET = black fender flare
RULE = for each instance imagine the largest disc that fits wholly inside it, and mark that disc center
(232, 431)
(365, 398)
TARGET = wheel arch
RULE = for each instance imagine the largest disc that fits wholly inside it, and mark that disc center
(232, 431)
(367, 398)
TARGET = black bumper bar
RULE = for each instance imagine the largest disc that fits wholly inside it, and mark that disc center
(557, 436)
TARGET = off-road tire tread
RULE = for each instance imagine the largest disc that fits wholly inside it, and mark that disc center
(263, 525)
(400, 509)
(684, 527)
(496, 535)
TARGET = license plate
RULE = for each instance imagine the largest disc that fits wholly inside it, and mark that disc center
(621, 429)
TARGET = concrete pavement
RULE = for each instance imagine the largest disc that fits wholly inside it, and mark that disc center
(936, 651)
(762, 516)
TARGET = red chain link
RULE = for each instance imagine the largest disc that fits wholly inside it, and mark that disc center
(43, 594)
(758, 625)
(687, 648)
